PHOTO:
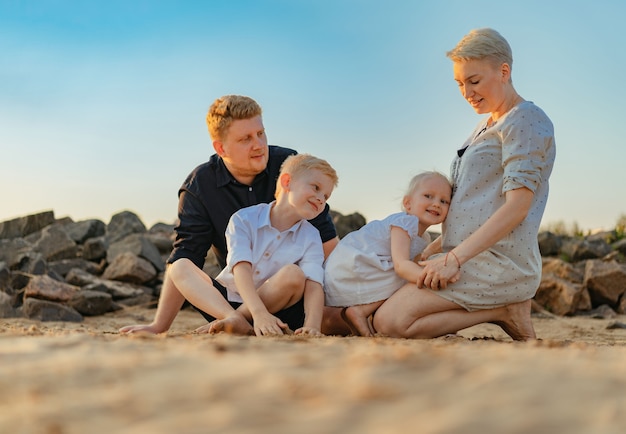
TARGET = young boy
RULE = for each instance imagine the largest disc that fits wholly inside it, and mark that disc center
(275, 258)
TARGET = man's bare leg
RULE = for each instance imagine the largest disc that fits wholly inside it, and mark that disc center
(170, 303)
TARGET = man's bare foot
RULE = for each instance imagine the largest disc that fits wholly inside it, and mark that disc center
(149, 328)
(359, 324)
(518, 323)
(235, 324)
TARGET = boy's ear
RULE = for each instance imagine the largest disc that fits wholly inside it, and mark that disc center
(285, 180)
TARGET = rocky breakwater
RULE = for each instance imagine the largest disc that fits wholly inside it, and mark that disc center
(60, 270)
(583, 275)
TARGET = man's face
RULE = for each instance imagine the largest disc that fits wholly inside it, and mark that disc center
(244, 149)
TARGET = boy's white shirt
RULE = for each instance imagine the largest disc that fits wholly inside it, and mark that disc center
(250, 237)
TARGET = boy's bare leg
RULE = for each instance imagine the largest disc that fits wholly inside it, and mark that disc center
(358, 318)
(282, 290)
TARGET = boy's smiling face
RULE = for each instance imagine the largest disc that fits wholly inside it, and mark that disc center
(308, 192)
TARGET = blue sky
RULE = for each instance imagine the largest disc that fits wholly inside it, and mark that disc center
(102, 103)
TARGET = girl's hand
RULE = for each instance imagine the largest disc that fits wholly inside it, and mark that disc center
(438, 272)
(309, 331)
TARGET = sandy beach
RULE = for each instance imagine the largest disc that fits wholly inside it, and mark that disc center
(86, 378)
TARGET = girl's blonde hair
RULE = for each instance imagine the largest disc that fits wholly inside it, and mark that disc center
(415, 182)
(227, 109)
(298, 164)
(481, 44)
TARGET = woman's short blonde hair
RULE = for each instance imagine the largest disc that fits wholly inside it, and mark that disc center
(481, 44)
(298, 164)
(227, 109)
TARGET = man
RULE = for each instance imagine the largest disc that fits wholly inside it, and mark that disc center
(242, 172)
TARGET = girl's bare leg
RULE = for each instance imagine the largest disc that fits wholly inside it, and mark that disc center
(420, 313)
(333, 323)
(357, 318)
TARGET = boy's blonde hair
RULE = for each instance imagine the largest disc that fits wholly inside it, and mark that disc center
(417, 180)
(298, 164)
(481, 44)
(227, 109)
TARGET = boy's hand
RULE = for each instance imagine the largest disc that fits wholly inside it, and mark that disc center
(309, 331)
(266, 324)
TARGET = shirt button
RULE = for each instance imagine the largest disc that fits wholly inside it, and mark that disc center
(266, 254)
(257, 272)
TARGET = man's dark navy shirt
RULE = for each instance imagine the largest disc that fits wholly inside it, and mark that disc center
(211, 195)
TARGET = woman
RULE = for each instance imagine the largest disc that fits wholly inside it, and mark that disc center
(489, 266)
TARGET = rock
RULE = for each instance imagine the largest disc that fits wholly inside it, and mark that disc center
(549, 243)
(123, 224)
(117, 290)
(620, 246)
(5, 276)
(22, 226)
(7, 310)
(13, 251)
(580, 249)
(140, 245)
(81, 231)
(53, 243)
(606, 281)
(90, 303)
(44, 310)
(34, 263)
(46, 288)
(348, 223)
(561, 296)
(562, 269)
(64, 266)
(95, 249)
(128, 267)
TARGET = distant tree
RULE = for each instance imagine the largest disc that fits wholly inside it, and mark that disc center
(620, 227)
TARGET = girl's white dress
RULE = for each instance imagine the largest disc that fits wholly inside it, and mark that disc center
(360, 269)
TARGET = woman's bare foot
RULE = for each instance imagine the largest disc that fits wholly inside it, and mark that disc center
(518, 323)
(359, 324)
(149, 328)
(235, 324)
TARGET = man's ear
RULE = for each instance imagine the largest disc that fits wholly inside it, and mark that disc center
(219, 148)
(285, 181)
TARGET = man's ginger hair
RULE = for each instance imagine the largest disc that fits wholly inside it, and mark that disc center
(227, 109)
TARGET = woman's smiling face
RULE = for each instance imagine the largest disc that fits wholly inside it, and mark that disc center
(482, 84)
